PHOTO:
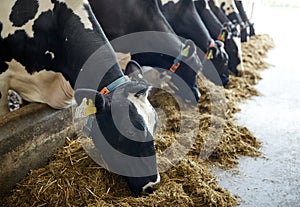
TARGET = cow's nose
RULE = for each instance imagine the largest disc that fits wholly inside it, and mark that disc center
(225, 79)
(143, 185)
(150, 190)
(151, 186)
(196, 93)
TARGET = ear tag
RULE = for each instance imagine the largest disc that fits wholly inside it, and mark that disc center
(185, 51)
(222, 38)
(90, 109)
(210, 55)
(80, 110)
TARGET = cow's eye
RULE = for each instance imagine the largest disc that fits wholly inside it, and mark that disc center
(0, 95)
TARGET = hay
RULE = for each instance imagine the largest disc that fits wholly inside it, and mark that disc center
(72, 179)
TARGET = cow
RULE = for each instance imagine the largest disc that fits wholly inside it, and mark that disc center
(231, 11)
(144, 17)
(44, 46)
(222, 33)
(215, 8)
(244, 16)
(186, 22)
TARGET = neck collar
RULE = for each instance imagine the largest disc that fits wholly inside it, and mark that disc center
(111, 87)
(184, 52)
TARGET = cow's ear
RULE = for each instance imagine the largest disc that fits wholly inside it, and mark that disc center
(134, 70)
(91, 97)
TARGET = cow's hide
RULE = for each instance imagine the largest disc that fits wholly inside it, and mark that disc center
(27, 53)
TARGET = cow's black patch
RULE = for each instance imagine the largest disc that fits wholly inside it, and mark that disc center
(3, 67)
(23, 11)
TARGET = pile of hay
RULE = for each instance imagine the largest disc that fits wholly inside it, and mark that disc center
(72, 179)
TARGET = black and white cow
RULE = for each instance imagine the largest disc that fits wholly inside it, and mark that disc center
(231, 11)
(244, 16)
(43, 47)
(222, 33)
(216, 9)
(186, 22)
(119, 18)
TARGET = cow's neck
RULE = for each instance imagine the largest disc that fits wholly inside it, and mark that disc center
(79, 44)
(112, 75)
(181, 17)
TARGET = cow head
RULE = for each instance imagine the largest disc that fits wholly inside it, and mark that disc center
(186, 22)
(231, 11)
(192, 61)
(221, 33)
(123, 130)
(159, 50)
(219, 59)
(234, 53)
(244, 16)
(185, 64)
(235, 57)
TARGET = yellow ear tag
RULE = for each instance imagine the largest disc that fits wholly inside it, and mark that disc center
(185, 51)
(90, 109)
(223, 37)
(210, 55)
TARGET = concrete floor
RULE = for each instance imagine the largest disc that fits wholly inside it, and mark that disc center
(273, 179)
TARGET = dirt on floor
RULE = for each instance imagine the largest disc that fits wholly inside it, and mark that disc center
(72, 178)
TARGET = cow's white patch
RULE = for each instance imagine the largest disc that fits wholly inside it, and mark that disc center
(44, 87)
(207, 5)
(77, 6)
(152, 184)
(166, 1)
(50, 53)
(222, 48)
(216, 3)
(229, 6)
(9, 29)
(145, 109)
(238, 43)
(240, 68)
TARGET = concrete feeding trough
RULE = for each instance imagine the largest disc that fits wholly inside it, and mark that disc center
(28, 137)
